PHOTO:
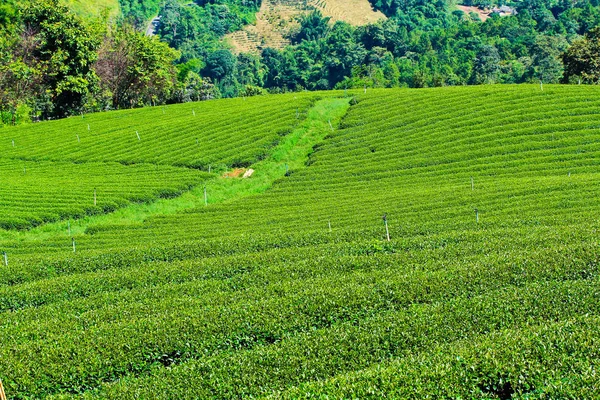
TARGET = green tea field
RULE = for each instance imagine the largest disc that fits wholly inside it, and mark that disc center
(393, 243)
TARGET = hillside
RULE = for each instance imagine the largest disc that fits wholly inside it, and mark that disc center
(400, 243)
(277, 18)
(94, 8)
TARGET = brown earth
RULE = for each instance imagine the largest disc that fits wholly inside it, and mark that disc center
(483, 14)
(235, 173)
(277, 18)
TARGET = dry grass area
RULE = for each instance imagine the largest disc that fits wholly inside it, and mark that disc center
(277, 18)
(94, 8)
(483, 14)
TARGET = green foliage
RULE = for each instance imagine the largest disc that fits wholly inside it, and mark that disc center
(64, 52)
(294, 291)
(139, 12)
(182, 135)
(135, 69)
(39, 192)
(581, 59)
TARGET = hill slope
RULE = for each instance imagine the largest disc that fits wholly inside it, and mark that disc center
(94, 8)
(277, 17)
(486, 288)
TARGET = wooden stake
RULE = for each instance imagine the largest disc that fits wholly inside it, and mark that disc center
(205, 197)
(2, 394)
(74, 249)
(387, 231)
(5, 259)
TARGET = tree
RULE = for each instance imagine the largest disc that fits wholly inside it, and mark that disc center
(486, 66)
(64, 49)
(582, 59)
(312, 27)
(136, 70)
(546, 65)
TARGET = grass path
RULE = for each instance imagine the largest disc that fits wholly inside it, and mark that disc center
(293, 151)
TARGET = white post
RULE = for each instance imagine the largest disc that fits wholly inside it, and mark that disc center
(205, 197)
(13, 143)
(88, 127)
(477, 215)
(329, 222)
(331, 126)
(194, 112)
(69, 227)
(24, 170)
(138, 135)
(387, 231)
(78, 141)
(5, 259)
(74, 249)
(472, 184)
(95, 196)
(209, 169)
(542, 85)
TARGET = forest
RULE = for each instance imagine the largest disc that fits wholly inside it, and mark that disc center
(54, 63)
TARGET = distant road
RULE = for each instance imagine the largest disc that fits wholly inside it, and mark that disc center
(150, 31)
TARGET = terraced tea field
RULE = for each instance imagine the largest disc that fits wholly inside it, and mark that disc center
(285, 285)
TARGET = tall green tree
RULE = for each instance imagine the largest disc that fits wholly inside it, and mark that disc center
(135, 69)
(582, 59)
(63, 50)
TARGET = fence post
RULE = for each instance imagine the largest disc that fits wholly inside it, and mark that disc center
(2, 394)
(387, 231)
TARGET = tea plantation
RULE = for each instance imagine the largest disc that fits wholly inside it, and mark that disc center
(284, 285)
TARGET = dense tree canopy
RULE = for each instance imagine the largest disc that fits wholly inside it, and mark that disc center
(54, 64)
(582, 60)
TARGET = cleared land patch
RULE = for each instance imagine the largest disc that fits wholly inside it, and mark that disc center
(277, 18)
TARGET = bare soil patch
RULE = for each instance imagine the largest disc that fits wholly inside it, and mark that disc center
(483, 14)
(277, 18)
